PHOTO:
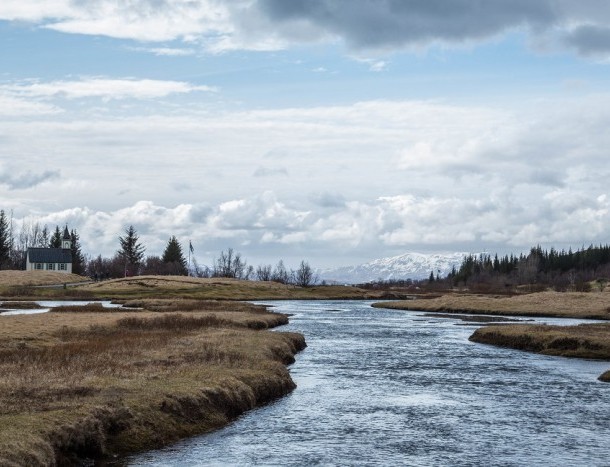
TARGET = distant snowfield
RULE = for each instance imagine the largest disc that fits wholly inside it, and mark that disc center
(407, 266)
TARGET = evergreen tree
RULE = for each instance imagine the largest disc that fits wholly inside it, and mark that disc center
(78, 259)
(174, 258)
(56, 238)
(5, 241)
(132, 251)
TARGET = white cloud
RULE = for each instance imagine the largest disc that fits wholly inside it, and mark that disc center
(262, 226)
(105, 88)
(16, 107)
(166, 51)
(372, 178)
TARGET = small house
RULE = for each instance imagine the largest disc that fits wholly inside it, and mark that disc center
(51, 259)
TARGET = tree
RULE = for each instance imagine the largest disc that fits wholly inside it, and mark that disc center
(132, 251)
(78, 259)
(5, 241)
(280, 274)
(174, 258)
(56, 238)
(304, 276)
(264, 272)
(230, 264)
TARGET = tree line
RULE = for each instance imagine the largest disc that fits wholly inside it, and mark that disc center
(130, 258)
(540, 268)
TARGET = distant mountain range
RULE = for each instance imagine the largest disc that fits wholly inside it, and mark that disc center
(407, 266)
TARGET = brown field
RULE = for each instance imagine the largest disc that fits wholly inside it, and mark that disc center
(582, 341)
(33, 278)
(218, 288)
(19, 285)
(592, 305)
(86, 384)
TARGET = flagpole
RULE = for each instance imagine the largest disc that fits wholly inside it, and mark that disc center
(191, 250)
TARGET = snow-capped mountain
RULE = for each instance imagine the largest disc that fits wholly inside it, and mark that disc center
(407, 266)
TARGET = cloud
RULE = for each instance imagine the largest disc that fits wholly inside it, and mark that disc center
(361, 25)
(270, 171)
(368, 179)
(397, 23)
(590, 40)
(25, 180)
(264, 225)
(16, 107)
(103, 88)
(166, 51)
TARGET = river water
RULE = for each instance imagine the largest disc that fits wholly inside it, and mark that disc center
(382, 387)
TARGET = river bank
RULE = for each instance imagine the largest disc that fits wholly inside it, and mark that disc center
(591, 341)
(591, 305)
(28, 285)
(87, 385)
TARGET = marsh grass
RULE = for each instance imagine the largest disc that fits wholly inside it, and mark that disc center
(592, 305)
(87, 384)
(163, 287)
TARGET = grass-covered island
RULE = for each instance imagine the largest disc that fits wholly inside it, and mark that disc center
(89, 382)
(582, 341)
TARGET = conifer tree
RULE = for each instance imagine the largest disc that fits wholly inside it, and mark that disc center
(132, 251)
(174, 258)
(5, 241)
(56, 238)
(78, 259)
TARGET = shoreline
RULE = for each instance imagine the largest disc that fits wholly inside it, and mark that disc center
(588, 341)
(102, 385)
(591, 305)
(584, 341)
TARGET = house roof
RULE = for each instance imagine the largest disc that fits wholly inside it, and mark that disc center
(49, 255)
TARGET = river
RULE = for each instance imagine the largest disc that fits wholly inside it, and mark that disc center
(382, 387)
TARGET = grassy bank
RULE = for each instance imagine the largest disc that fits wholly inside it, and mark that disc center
(88, 384)
(583, 341)
(592, 305)
(15, 285)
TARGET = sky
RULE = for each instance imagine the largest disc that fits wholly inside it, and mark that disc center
(335, 131)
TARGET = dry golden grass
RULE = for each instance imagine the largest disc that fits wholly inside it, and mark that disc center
(82, 384)
(592, 305)
(582, 341)
(178, 283)
(29, 278)
(218, 288)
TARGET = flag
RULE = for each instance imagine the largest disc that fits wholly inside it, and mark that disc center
(191, 249)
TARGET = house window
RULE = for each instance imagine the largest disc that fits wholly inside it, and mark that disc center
(62, 266)
(50, 266)
(38, 266)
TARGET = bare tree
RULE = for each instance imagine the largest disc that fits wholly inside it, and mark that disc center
(280, 274)
(200, 271)
(264, 272)
(230, 264)
(304, 276)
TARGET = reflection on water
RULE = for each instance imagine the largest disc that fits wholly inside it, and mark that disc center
(48, 304)
(381, 387)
